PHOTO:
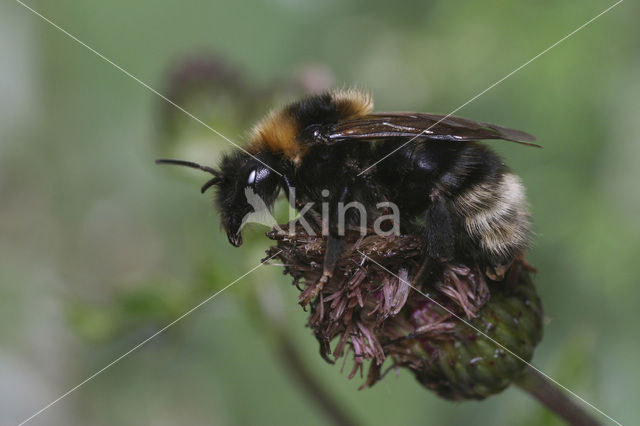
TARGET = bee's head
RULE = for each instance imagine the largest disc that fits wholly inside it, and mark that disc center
(243, 183)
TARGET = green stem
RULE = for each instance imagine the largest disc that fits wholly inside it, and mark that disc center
(554, 398)
(295, 365)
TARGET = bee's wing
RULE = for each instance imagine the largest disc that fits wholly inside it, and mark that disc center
(420, 126)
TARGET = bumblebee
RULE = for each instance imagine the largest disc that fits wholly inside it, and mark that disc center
(451, 190)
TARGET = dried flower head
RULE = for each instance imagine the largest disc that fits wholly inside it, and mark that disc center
(374, 309)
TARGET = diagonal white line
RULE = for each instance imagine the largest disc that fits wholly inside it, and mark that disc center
(145, 85)
(495, 342)
(91, 377)
(495, 84)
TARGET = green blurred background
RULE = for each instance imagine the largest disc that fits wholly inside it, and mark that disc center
(99, 248)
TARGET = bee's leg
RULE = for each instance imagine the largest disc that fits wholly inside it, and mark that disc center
(439, 246)
(440, 237)
(429, 273)
(333, 250)
(331, 256)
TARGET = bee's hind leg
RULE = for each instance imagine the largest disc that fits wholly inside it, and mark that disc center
(439, 242)
(439, 234)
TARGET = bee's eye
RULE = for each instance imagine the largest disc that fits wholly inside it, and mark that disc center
(252, 177)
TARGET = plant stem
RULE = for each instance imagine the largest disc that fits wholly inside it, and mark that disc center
(289, 355)
(554, 398)
(317, 393)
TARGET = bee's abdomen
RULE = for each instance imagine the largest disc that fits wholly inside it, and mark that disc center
(495, 215)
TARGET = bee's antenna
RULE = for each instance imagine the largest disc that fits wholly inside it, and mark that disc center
(214, 181)
(188, 164)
